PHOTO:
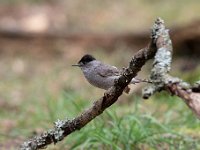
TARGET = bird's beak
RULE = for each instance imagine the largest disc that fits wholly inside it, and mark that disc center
(76, 65)
(80, 64)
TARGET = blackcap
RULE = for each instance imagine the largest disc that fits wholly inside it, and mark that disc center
(101, 75)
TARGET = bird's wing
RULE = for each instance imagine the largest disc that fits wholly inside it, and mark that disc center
(107, 70)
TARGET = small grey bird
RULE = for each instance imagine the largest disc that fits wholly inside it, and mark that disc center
(101, 75)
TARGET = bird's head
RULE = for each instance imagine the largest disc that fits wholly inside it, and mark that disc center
(85, 60)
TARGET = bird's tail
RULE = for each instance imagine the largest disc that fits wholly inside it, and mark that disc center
(136, 80)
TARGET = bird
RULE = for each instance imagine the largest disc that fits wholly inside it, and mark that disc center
(101, 75)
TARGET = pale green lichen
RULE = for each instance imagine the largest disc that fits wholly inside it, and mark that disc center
(55, 134)
(59, 129)
(162, 63)
(60, 123)
(162, 59)
(148, 91)
(58, 134)
(40, 140)
(171, 80)
(197, 83)
(29, 145)
(157, 29)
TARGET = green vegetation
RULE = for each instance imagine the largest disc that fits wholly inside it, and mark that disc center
(128, 127)
(35, 93)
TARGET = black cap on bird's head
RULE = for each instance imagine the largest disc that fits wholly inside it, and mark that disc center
(84, 60)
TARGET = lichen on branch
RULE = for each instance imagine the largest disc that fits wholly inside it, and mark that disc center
(162, 59)
(160, 78)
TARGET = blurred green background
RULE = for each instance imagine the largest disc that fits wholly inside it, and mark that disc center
(40, 40)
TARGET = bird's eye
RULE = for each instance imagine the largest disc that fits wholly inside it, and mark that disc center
(81, 63)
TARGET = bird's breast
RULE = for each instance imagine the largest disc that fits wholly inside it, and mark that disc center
(97, 80)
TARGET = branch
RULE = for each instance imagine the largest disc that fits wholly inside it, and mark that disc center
(65, 127)
(192, 99)
(161, 80)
